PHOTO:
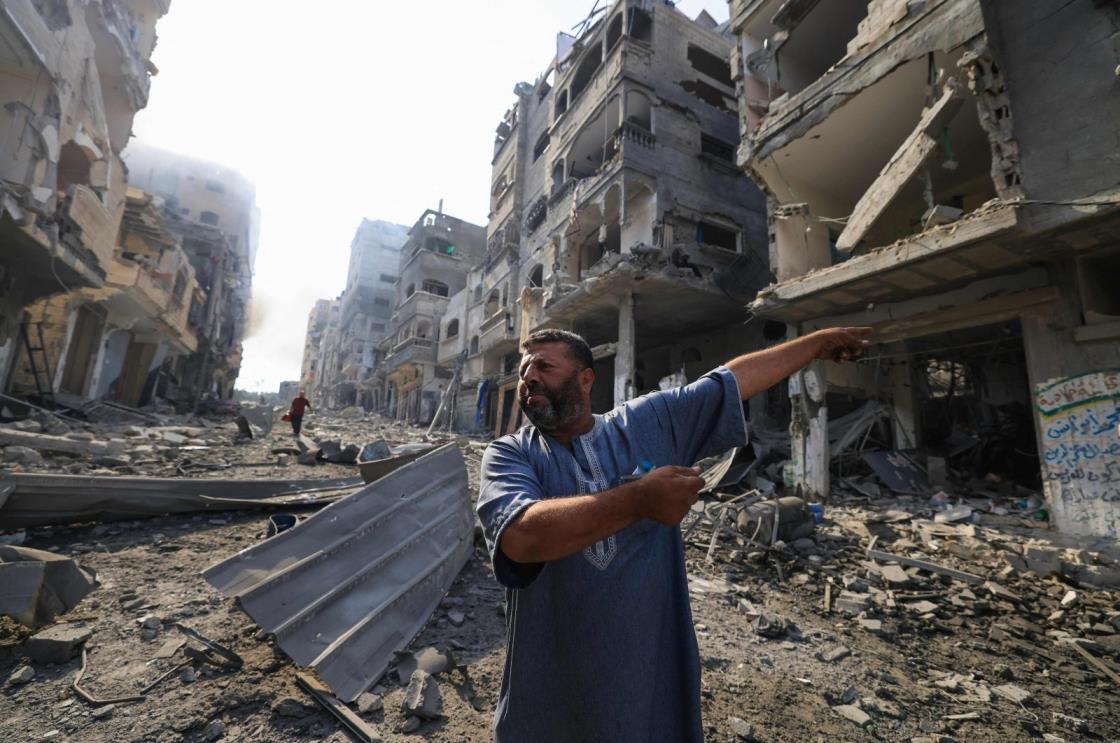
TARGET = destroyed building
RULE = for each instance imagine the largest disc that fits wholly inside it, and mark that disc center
(212, 209)
(945, 171)
(311, 368)
(72, 77)
(434, 266)
(617, 212)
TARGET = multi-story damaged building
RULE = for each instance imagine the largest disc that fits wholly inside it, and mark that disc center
(616, 211)
(311, 369)
(213, 211)
(946, 171)
(72, 76)
(434, 265)
(367, 309)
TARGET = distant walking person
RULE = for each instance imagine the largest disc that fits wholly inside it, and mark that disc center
(299, 404)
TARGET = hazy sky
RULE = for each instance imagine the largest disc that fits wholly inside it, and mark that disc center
(343, 109)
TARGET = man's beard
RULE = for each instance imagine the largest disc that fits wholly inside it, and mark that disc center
(564, 405)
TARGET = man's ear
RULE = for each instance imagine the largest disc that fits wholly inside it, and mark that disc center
(586, 379)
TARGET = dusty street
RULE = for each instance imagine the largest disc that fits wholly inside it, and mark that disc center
(938, 660)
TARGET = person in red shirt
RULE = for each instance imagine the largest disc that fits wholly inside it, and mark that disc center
(299, 405)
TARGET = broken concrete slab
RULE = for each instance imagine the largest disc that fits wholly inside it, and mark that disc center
(422, 698)
(345, 455)
(1011, 692)
(36, 586)
(58, 444)
(22, 455)
(57, 644)
(852, 713)
(22, 675)
(430, 659)
(375, 450)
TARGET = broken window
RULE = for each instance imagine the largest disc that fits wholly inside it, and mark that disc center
(708, 233)
(561, 103)
(614, 31)
(588, 66)
(536, 276)
(493, 303)
(452, 329)
(714, 67)
(388, 278)
(408, 292)
(73, 166)
(436, 287)
(1100, 302)
(540, 147)
(439, 245)
(717, 148)
(819, 39)
(639, 111)
(708, 93)
(208, 218)
(639, 25)
(557, 175)
(474, 345)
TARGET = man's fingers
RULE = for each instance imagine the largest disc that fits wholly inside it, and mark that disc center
(859, 330)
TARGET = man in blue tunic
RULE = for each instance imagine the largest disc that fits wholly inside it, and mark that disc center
(601, 647)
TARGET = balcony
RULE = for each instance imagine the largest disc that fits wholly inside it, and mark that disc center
(98, 230)
(420, 304)
(498, 330)
(149, 298)
(121, 66)
(411, 351)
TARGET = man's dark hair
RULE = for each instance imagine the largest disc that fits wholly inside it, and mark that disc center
(578, 349)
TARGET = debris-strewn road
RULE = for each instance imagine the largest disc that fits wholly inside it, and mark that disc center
(974, 663)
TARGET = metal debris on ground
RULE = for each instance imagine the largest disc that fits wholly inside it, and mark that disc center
(353, 583)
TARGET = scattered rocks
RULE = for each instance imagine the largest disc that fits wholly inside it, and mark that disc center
(411, 725)
(456, 618)
(771, 626)
(422, 698)
(23, 675)
(835, 654)
(100, 713)
(291, 708)
(214, 730)
(852, 713)
(22, 455)
(369, 704)
(1011, 692)
(740, 728)
(56, 644)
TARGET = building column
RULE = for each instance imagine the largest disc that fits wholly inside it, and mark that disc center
(624, 355)
(808, 428)
(904, 403)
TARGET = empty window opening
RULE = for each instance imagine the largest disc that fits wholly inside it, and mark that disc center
(436, 287)
(216, 186)
(541, 146)
(474, 345)
(208, 218)
(711, 65)
(408, 292)
(639, 110)
(639, 25)
(588, 66)
(717, 236)
(1100, 302)
(452, 329)
(717, 148)
(381, 302)
(73, 167)
(387, 278)
(817, 42)
(493, 303)
(557, 175)
(536, 276)
(439, 245)
(614, 31)
(561, 103)
(708, 93)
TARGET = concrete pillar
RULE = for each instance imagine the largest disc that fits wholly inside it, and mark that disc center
(904, 402)
(808, 430)
(624, 355)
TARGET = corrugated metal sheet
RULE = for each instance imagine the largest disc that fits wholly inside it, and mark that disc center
(39, 500)
(355, 582)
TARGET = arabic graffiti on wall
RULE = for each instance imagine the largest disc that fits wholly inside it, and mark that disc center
(1079, 420)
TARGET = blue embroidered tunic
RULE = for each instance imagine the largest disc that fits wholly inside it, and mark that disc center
(600, 644)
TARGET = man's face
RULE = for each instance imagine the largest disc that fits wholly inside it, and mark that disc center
(553, 389)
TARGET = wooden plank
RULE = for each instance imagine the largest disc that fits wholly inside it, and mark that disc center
(903, 165)
(1096, 663)
(931, 567)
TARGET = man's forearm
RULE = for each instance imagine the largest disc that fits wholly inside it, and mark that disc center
(559, 527)
(761, 370)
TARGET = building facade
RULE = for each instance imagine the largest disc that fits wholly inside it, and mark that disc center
(945, 172)
(72, 77)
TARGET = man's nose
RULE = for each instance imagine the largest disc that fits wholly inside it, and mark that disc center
(530, 375)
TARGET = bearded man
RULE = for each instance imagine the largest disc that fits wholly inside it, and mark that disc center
(600, 643)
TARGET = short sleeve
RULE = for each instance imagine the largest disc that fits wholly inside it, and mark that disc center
(701, 419)
(508, 486)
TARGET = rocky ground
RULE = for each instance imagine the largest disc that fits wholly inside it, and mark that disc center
(899, 654)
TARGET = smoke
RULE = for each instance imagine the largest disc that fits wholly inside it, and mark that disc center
(258, 315)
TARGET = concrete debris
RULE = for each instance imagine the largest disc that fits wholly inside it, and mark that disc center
(22, 675)
(368, 703)
(852, 713)
(57, 644)
(771, 626)
(423, 699)
(37, 586)
(1014, 693)
(740, 728)
(42, 442)
(429, 659)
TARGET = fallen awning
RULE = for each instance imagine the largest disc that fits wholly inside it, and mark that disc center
(356, 581)
(42, 500)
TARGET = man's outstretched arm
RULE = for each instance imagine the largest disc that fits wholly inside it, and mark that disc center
(761, 370)
(557, 527)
